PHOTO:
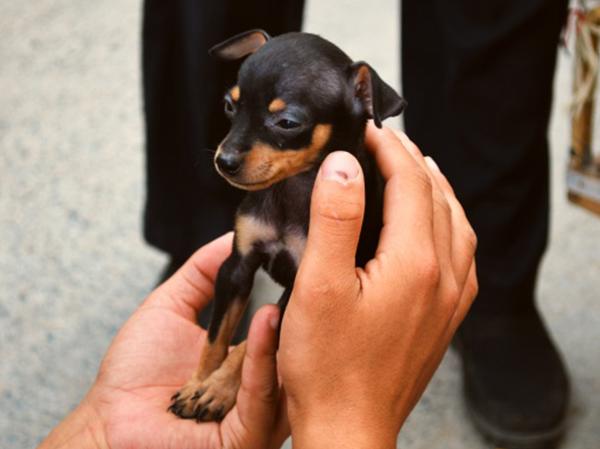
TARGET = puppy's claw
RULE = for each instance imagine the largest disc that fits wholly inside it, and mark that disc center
(197, 395)
(219, 414)
(203, 412)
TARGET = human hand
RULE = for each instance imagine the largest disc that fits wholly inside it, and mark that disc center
(358, 346)
(153, 355)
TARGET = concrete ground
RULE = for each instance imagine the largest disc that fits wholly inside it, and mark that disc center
(72, 261)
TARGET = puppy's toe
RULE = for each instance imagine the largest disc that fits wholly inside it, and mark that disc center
(183, 403)
(207, 400)
(218, 395)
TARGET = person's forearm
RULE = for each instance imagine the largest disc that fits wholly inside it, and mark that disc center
(81, 429)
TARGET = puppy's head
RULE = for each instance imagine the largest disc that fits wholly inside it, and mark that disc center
(298, 97)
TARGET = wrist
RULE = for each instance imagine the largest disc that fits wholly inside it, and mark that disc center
(341, 429)
(81, 429)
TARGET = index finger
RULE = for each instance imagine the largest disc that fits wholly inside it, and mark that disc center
(407, 202)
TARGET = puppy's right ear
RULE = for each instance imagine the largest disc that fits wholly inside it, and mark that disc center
(373, 96)
(240, 45)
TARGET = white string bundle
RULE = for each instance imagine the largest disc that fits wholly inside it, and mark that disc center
(586, 54)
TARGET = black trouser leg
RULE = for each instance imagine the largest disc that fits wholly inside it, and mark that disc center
(478, 80)
(187, 203)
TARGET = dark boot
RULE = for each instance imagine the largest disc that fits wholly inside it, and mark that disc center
(515, 383)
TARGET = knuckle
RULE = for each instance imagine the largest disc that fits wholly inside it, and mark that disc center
(442, 204)
(471, 239)
(428, 269)
(472, 288)
(451, 297)
(465, 228)
(338, 209)
(265, 392)
(422, 179)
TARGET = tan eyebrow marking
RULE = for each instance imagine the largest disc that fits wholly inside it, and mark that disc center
(277, 105)
(235, 93)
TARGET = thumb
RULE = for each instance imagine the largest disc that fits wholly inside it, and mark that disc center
(258, 397)
(337, 209)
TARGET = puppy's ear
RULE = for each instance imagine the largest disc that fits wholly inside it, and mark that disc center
(240, 45)
(372, 95)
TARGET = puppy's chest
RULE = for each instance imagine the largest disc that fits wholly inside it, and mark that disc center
(276, 242)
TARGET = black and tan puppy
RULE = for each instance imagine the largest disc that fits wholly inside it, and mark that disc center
(298, 98)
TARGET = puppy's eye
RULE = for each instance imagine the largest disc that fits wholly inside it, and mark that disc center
(229, 107)
(287, 124)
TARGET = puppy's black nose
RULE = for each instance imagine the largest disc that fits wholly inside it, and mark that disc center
(229, 163)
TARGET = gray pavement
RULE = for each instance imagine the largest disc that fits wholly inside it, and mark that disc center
(73, 264)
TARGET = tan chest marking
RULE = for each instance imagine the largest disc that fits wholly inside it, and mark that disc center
(249, 229)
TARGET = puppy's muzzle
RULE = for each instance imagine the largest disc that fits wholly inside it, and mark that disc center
(229, 163)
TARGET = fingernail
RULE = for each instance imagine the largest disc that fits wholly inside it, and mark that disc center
(431, 163)
(274, 321)
(340, 166)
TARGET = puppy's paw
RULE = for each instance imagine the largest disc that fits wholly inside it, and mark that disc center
(184, 401)
(207, 400)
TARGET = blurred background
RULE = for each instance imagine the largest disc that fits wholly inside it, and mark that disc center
(73, 264)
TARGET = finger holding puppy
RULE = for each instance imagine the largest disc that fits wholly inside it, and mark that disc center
(463, 241)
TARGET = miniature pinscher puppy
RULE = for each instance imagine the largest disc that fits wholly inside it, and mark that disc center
(298, 98)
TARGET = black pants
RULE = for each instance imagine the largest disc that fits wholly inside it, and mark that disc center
(187, 203)
(478, 79)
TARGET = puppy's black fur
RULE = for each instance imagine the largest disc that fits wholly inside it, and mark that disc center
(298, 98)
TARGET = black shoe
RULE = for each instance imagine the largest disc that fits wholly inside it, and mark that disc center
(515, 383)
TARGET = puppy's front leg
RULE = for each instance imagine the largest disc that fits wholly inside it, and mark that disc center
(212, 390)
